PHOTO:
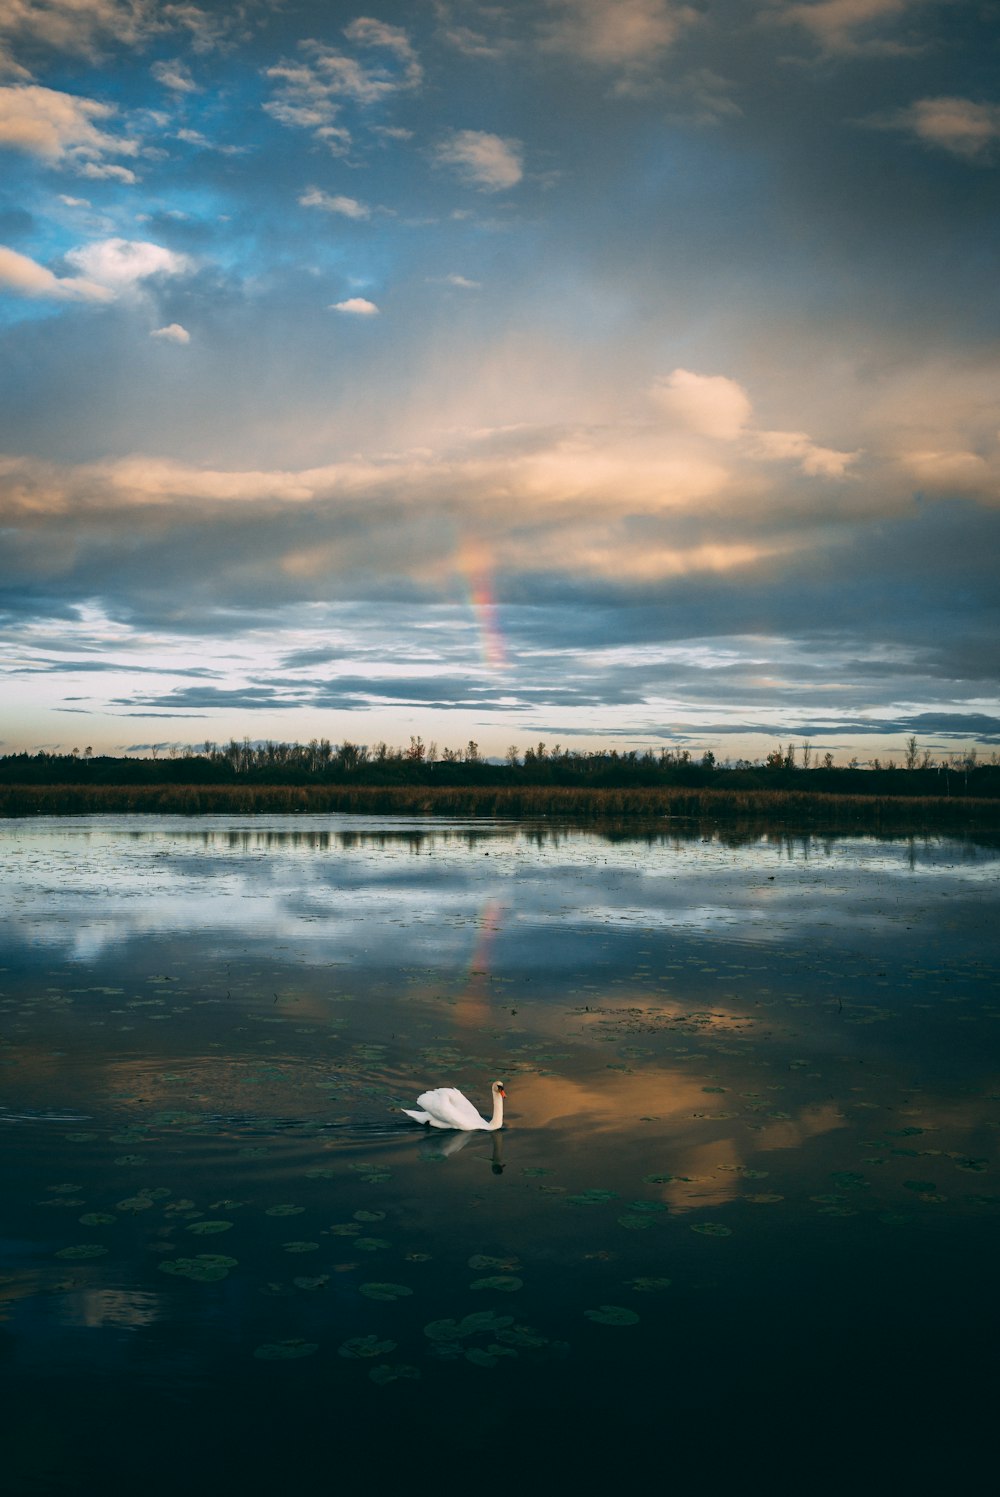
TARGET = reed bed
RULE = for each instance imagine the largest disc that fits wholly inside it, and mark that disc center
(799, 808)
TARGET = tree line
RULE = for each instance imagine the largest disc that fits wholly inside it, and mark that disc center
(321, 762)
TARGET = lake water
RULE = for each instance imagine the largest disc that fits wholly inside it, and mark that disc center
(742, 1217)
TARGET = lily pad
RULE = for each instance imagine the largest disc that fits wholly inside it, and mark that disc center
(524, 1336)
(634, 1223)
(304, 1281)
(209, 1228)
(205, 1268)
(301, 1247)
(390, 1372)
(83, 1250)
(366, 1346)
(284, 1210)
(285, 1351)
(505, 1283)
(648, 1285)
(369, 1216)
(387, 1292)
(712, 1229)
(97, 1219)
(612, 1315)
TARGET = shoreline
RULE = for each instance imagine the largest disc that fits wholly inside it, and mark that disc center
(807, 809)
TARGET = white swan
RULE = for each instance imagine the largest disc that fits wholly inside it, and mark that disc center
(448, 1108)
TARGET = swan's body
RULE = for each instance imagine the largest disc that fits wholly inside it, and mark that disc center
(448, 1108)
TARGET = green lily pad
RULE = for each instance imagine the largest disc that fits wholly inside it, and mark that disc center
(301, 1247)
(506, 1283)
(523, 1336)
(315, 1282)
(370, 1244)
(205, 1268)
(593, 1197)
(97, 1219)
(285, 1351)
(612, 1315)
(83, 1250)
(648, 1285)
(390, 1372)
(483, 1321)
(712, 1229)
(130, 1159)
(920, 1187)
(284, 1210)
(483, 1260)
(634, 1223)
(369, 1216)
(480, 1358)
(135, 1203)
(366, 1346)
(764, 1199)
(387, 1292)
(209, 1228)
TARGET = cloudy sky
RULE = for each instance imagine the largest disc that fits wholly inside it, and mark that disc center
(598, 371)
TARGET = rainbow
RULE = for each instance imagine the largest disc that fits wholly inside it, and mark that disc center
(473, 562)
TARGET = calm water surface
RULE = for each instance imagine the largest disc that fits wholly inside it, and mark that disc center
(743, 1214)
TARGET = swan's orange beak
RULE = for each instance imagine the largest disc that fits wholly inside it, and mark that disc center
(502, 1092)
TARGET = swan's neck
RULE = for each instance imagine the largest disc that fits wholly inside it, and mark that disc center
(496, 1121)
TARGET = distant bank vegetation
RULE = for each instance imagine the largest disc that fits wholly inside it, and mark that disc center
(789, 784)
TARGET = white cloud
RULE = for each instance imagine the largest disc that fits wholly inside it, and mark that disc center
(355, 306)
(120, 264)
(25, 276)
(960, 126)
(852, 27)
(485, 161)
(309, 91)
(711, 405)
(708, 404)
(370, 33)
(623, 33)
(79, 25)
(798, 447)
(74, 202)
(62, 129)
(107, 171)
(462, 282)
(314, 197)
(174, 74)
(172, 333)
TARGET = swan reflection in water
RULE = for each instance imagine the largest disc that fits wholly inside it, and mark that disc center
(444, 1145)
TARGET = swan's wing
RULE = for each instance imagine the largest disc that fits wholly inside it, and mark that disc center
(418, 1117)
(448, 1108)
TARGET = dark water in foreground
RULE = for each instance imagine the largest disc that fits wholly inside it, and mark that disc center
(743, 1218)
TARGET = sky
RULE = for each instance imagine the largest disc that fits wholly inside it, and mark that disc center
(611, 373)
